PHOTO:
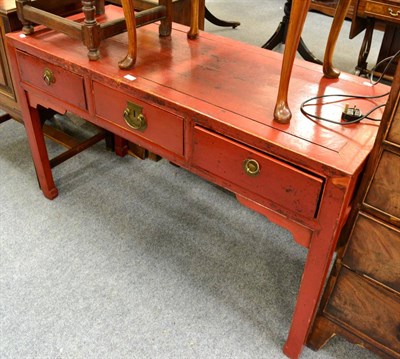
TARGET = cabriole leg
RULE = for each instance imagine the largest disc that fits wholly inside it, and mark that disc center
(340, 14)
(298, 15)
(129, 13)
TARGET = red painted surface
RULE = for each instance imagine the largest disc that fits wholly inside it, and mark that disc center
(280, 184)
(67, 85)
(229, 89)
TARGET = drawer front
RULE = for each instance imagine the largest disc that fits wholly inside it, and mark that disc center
(52, 79)
(160, 127)
(374, 250)
(267, 177)
(383, 10)
(384, 191)
(366, 307)
(394, 130)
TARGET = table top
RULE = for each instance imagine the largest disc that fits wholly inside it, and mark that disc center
(225, 84)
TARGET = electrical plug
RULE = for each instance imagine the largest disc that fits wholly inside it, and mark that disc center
(351, 114)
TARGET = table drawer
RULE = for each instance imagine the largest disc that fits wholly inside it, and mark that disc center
(52, 80)
(254, 174)
(374, 249)
(366, 307)
(384, 191)
(383, 10)
(155, 124)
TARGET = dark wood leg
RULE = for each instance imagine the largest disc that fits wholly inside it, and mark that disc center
(390, 46)
(120, 146)
(4, 117)
(298, 11)
(323, 330)
(91, 29)
(100, 7)
(166, 24)
(340, 14)
(214, 20)
(27, 27)
(279, 37)
(362, 64)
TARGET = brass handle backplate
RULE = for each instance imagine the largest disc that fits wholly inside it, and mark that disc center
(251, 167)
(393, 13)
(134, 117)
(48, 77)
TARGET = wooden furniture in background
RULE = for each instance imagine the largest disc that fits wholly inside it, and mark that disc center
(9, 22)
(279, 37)
(328, 7)
(8, 101)
(377, 13)
(183, 105)
(387, 10)
(98, 26)
(362, 299)
(369, 16)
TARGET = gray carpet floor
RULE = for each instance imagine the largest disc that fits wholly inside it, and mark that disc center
(141, 259)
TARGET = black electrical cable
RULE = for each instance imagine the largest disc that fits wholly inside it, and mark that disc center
(366, 116)
(390, 59)
(306, 103)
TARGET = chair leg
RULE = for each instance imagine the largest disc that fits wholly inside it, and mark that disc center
(340, 14)
(129, 13)
(298, 16)
(91, 29)
(166, 23)
(193, 32)
(27, 27)
(100, 7)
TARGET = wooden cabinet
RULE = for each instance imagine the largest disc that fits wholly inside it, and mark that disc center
(362, 299)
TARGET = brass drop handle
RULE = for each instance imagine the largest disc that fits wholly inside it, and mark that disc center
(251, 167)
(393, 13)
(48, 77)
(135, 119)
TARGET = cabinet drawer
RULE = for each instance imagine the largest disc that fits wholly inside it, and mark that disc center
(60, 83)
(254, 174)
(383, 10)
(374, 249)
(394, 130)
(384, 190)
(160, 126)
(366, 307)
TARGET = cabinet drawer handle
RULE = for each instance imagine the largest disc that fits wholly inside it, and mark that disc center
(251, 167)
(134, 117)
(48, 77)
(393, 13)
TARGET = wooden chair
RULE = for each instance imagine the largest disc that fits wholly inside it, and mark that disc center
(282, 113)
(164, 29)
(92, 33)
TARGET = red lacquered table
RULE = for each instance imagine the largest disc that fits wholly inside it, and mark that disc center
(207, 106)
